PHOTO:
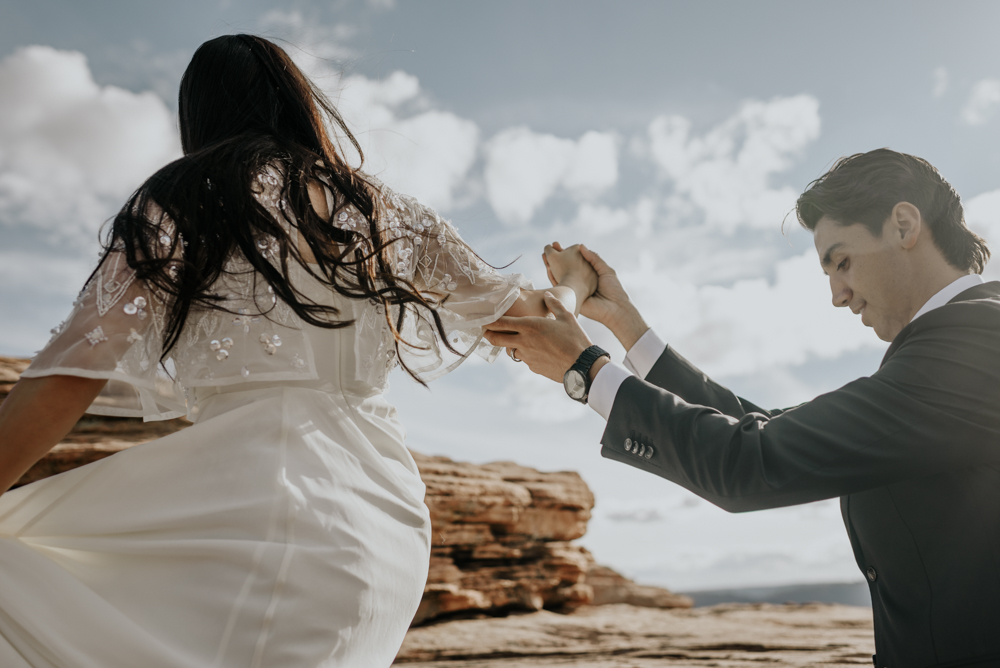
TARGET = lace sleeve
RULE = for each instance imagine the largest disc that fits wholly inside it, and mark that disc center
(115, 331)
(474, 293)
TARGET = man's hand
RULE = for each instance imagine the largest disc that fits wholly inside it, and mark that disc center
(609, 304)
(549, 346)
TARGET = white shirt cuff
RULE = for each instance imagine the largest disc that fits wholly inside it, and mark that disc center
(644, 353)
(604, 389)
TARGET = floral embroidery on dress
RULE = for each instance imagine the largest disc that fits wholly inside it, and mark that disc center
(96, 336)
(108, 293)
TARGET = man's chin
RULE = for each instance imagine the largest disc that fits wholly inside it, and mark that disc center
(887, 334)
(881, 330)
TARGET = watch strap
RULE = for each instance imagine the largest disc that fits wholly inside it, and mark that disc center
(587, 359)
(583, 364)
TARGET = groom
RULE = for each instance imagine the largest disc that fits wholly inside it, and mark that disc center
(913, 451)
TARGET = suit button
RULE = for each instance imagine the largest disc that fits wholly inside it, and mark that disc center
(642, 450)
(871, 573)
(628, 445)
(649, 452)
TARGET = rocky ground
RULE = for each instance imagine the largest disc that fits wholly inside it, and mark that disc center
(620, 636)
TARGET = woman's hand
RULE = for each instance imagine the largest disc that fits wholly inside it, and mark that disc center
(608, 304)
(569, 267)
(549, 346)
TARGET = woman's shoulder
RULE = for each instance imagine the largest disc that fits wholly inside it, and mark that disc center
(402, 203)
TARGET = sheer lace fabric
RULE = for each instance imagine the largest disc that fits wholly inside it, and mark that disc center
(115, 329)
(430, 252)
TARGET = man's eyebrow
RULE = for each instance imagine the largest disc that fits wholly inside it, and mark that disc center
(829, 251)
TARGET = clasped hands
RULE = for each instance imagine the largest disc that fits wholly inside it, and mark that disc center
(550, 345)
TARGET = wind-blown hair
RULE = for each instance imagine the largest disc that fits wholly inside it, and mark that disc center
(863, 189)
(244, 106)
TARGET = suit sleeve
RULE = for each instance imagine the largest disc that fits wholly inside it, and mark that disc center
(931, 407)
(677, 375)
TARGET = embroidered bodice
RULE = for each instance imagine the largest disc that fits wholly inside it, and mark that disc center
(115, 330)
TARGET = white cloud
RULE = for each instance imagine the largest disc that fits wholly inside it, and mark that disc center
(538, 399)
(982, 103)
(315, 38)
(427, 154)
(71, 151)
(596, 220)
(752, 325)
(412, 147)
(982, 215)
(524, 169)
(594, 165)
(940, 76)
(725, 174)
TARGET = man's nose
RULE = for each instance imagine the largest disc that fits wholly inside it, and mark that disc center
(842, 294)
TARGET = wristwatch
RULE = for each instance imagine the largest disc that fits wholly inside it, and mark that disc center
(577, 379)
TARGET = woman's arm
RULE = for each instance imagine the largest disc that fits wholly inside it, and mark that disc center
(531, 302)
(577, 282)
(36, 415)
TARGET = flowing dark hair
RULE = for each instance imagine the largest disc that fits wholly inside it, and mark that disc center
(244, 106)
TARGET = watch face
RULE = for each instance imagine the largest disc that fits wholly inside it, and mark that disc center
(575, 384)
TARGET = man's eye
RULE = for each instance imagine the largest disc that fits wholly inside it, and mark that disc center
(843, 264)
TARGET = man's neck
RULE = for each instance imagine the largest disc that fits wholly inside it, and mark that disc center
(936, 284)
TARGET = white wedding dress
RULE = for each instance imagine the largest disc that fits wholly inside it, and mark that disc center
(286, 527)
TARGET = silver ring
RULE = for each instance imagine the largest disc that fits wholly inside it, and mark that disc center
(513, 356)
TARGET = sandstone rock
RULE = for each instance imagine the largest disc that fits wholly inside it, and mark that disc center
(501, 543)
(620, 636)
(611, 587)
(500, 535)
(10, 371)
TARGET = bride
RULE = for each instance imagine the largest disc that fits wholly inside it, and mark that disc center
(264, 288)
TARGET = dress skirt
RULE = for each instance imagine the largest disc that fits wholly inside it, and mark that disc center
(285, 528)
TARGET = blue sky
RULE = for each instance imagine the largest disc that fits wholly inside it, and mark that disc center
(671, 136)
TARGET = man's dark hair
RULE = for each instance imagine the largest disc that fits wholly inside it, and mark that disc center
(864, 188)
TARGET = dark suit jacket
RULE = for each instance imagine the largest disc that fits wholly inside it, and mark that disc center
(913, 452)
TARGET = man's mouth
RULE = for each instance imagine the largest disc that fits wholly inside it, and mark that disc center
(861, 311)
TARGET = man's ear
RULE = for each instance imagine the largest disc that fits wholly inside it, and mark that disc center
(905, 224)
